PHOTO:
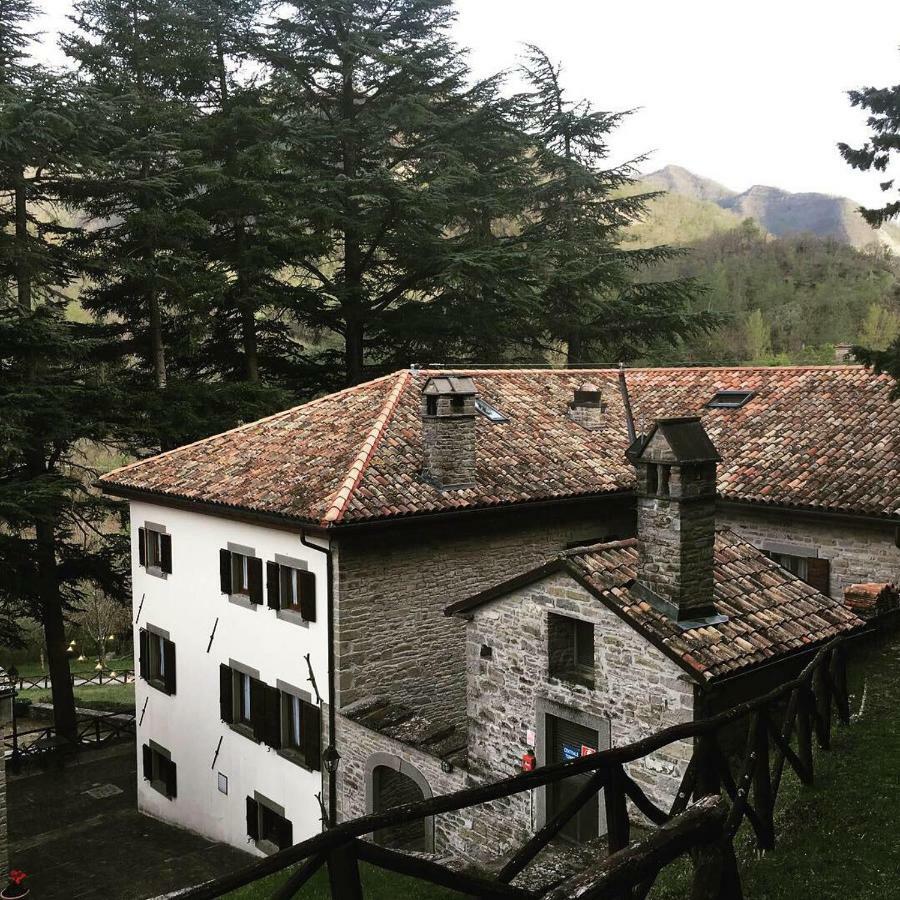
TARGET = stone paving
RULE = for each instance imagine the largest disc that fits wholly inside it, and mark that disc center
(78, 834)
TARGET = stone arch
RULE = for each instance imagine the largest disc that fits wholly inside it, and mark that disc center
(391, 780)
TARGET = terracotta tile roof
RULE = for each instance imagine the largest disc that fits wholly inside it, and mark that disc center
(771, 613)
(822, 438)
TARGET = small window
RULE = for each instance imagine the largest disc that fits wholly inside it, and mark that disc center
(431, 406)
(155, 550)
(157, 661)
(457, 404)
(301, 730)
(244, 697)
(160, 771)
(243, 703)
(664, 473)
(491, 413)
(729, 399)
(796, 565)
(267, 827)
(241, 576)
(570, 649)
(652, 478)
(291, 588)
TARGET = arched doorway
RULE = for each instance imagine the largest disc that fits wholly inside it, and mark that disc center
(393, 782)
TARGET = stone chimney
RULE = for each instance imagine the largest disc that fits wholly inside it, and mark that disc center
(448, 431)
(871, 600)
(587, 407)
(676, 518)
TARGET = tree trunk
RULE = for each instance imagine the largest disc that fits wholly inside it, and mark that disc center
(23, 275)
(353, 350)
(157, 348)
(574, 350)
(251, 352)
(55, 634)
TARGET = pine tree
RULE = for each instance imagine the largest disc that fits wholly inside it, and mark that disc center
(55, 399)
(401, 173)
(883, 146)
(593, 298)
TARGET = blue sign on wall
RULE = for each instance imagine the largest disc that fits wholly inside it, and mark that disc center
(571, 751)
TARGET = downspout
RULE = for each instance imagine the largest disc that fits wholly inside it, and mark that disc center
(626, 401)
(330, 755)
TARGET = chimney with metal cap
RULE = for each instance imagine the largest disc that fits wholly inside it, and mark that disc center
(587, 406)
(448, 431)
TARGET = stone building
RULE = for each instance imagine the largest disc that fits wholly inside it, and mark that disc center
(298, 567)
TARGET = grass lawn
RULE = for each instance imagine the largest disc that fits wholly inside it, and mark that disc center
(837, 839)
(113, 663)
(112, 697)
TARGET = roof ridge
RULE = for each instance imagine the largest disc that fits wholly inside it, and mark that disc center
(277, 415)
(338, 506)
(587, 549)
(512, 370)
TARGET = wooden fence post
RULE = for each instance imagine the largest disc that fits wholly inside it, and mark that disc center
(823, 702)
(804, 733)
(708, 778)
(839, 676)
(762, 786)
(618, 828)
(343, 872)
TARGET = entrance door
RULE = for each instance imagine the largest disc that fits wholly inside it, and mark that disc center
(564, 742)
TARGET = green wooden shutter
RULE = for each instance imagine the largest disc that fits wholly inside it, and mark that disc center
(258, 708)
(818, 574)
(169, 658)
(273, 585)
(225, 571)
(142, 546)
(165, 553)
(144, 654)
(312, 735)
(171, 779)
(226, 695)
(252, 819)
(255, 579)
(147, 754)
(285, 834)
(307, 586)
(273, 717)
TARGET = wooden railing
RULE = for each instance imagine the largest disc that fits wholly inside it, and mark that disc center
(781, 728)
(42, 681)
(92, 731)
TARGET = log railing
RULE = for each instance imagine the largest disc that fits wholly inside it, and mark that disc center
(722, 800)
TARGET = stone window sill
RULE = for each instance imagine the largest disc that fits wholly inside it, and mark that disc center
(573, 679)
(293, 616)
(242, 600)
(267, 847)
(244, 730)
(295, 757)
(161, 788)
(158, 684)
(156, 572)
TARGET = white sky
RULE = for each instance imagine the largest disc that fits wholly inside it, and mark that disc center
(742, 92)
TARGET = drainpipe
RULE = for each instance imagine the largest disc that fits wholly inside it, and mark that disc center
(626, 401)
(330, 757)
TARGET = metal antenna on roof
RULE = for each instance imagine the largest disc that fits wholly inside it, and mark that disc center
(626, 401)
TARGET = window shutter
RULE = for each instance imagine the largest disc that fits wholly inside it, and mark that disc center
(144, 654)
(165, 553)
(818, 574)
(307, 585)
(252, 819)
(273, 585)
(171, 779)
(142, 546)
(169, 657)
(258, 708)
(226, 697)
(225, 570)
(312, 735)
(255, 578)
(273, 717)
(285, 834)
(148, 762)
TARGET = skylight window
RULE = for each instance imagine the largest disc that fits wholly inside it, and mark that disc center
(489, 412)
(729, 399)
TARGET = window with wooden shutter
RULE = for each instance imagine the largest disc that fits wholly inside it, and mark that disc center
(273, 585)
(258, 708)
(225, 571)
(312, 736)
(818, 574)
(226, 694)
(147, 762)
(171, 779)
(255, 579)
(144, 654)
(169, 673)
(142, 546)
(160, 771)
(307, 595)
(252, 819)
(165, 553)
(272, 735)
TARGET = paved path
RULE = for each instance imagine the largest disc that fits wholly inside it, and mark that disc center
(79, 845)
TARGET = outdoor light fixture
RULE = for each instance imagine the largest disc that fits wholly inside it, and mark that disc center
(331, 759)
(82, 658)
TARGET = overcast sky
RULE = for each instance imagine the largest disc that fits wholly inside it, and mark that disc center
(744, 93)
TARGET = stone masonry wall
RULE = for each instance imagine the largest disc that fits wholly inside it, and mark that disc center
(393, 639)
(637, 690)
(859, 551)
